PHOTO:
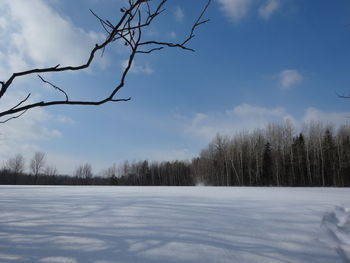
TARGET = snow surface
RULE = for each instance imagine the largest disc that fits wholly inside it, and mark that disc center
(173, 224)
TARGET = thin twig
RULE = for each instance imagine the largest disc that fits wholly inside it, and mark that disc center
(14, 117)
(150, 50)
(129, 29)
(20, 103)
(168, 44)
(54, 86)
(198, 22)
(102, 22)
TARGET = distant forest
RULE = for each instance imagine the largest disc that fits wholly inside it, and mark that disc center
(274, 156)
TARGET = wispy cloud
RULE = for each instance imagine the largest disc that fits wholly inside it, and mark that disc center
(268, 8)
(245, 110)
(135, 68)
(241, 117)
(179, 14)
(25, 134)
(289, 78)
(172, 35)
(235, 9)
(316, 115)
(37, 35)
(22, 135)
(247, 117)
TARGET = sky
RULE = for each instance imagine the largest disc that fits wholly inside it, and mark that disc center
(255, 62)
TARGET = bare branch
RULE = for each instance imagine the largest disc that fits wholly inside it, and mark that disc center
(150, 50)
(63, 102)
(70, 68)
(128, 29)
(117, 100)
(20, 103)
(182, 45)
(166, 44)
(103, 23)
(54, 86)
(198, 23)
(14, 117)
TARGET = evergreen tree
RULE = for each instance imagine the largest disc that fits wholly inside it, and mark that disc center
(267, 165)
(329, 153)
(299, 164)
(345, 165)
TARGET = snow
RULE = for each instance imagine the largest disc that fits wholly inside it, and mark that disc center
(173, 224)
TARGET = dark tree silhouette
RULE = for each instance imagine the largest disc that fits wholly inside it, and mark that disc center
(134, 19)
(267, 165)
(300, 164)
(37, 164)
(330, 157)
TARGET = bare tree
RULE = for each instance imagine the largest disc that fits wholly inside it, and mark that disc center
(84, 173)
(50, 171)
(37, 163)
(15, 164)
(128, 29)
(110, 171)
(111, 174)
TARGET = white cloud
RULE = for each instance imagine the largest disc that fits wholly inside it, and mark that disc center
(268, 8)
(179, 14)
(172, 35)
(245, 110)
(29, 127)
(235, 9)
(23, 135)
(36, 35)
(3, 24)
(241, 117)
(289, 78)
(135, 68)
(64, 119)
(247, 117)
(335, 118)
(198, 118)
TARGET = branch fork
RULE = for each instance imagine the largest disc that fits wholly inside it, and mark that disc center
(129, 29)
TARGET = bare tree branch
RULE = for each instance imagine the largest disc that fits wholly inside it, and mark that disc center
(166, 44)
(54, 86)
(150, 50)
(128, 29)
(103, 23)
(14, 117)
(198, 22)
(20, 103)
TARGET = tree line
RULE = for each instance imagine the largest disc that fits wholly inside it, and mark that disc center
(317, 156)
(273, 156)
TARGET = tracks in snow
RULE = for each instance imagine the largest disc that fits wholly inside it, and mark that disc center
(336, 226)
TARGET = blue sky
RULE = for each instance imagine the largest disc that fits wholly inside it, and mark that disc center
(257, 61)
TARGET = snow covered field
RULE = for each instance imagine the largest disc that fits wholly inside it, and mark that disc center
(168, 224)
